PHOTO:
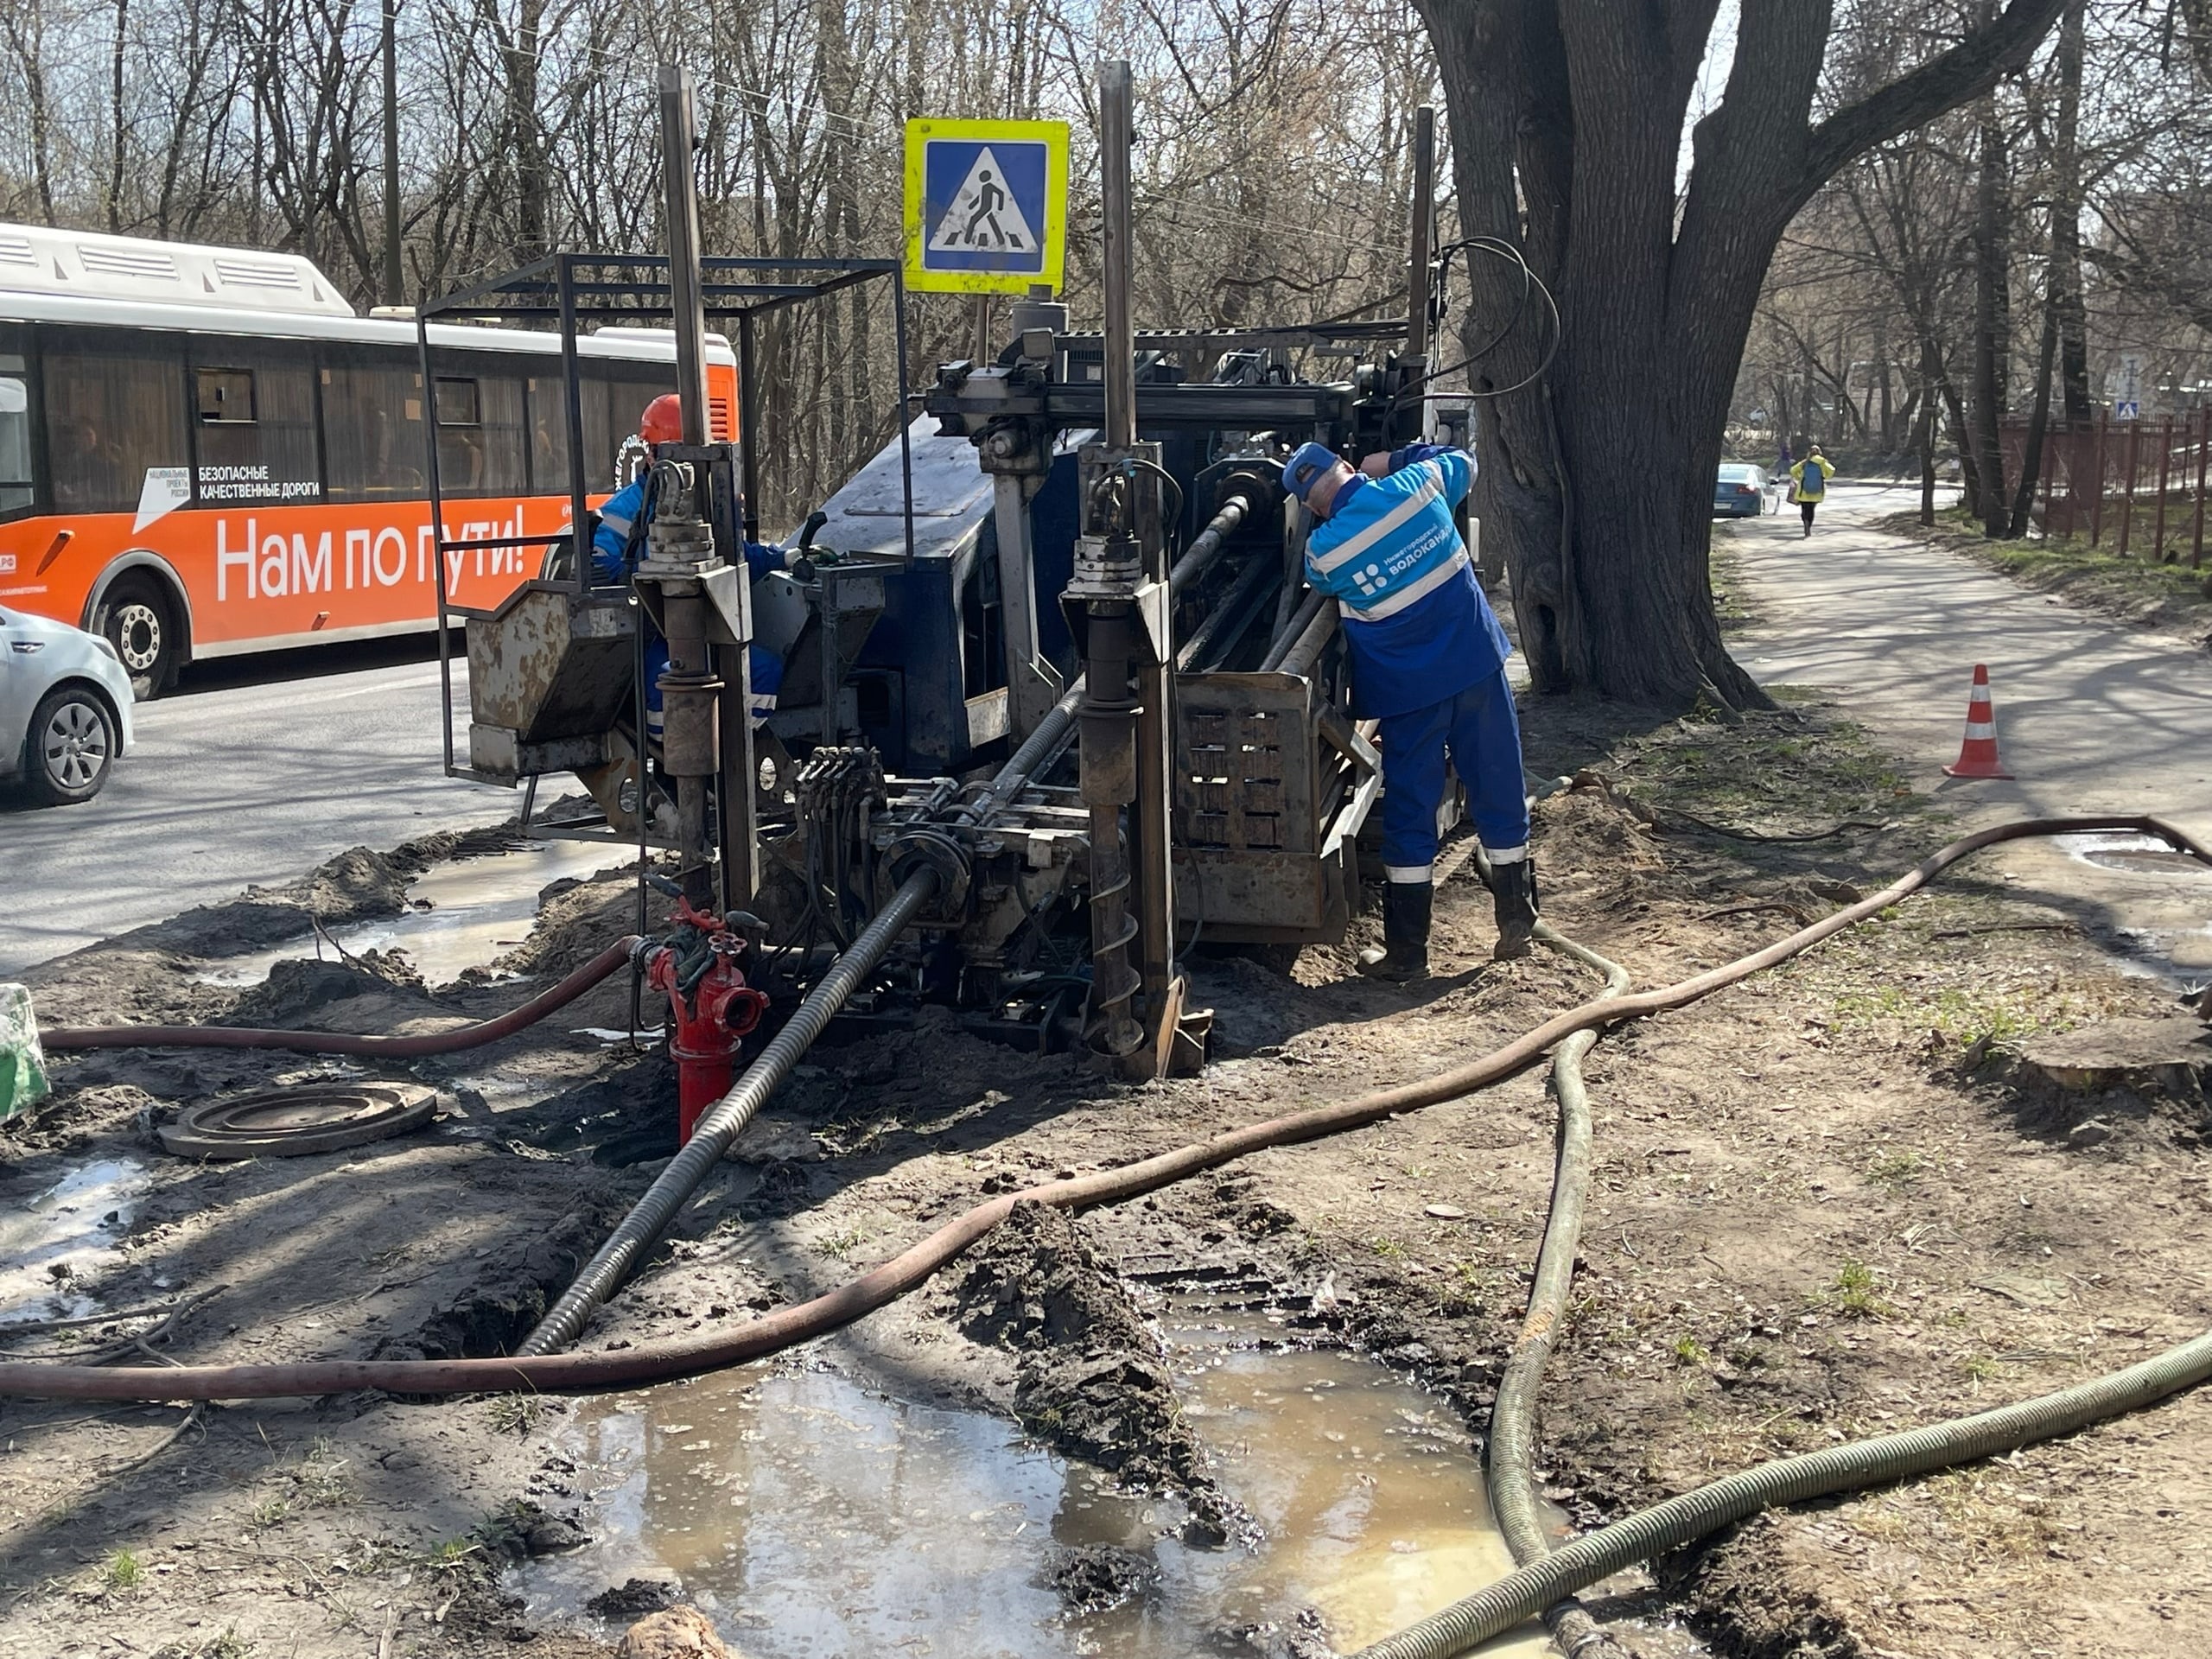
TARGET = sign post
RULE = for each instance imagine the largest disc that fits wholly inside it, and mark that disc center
(986, 205)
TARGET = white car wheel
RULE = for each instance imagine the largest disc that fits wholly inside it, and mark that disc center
(71, 743)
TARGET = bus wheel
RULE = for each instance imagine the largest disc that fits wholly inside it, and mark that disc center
(137, 619)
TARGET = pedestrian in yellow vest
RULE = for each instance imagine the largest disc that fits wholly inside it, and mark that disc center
(1809, 482)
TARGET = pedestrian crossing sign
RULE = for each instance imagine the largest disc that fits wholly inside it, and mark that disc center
(986, 205)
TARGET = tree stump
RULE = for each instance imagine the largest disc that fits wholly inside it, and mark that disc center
(2131, 1065)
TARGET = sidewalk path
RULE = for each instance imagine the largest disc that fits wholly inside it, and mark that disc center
(2091, 716)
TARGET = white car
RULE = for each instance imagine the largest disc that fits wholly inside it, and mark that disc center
(65, 709)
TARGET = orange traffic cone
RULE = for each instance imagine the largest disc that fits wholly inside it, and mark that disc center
(1978, 754)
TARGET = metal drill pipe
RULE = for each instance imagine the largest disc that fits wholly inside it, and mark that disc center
(1422, 217)
(1115, 135)
(680, 206)
(1290, 633)
(1306, 651)
(1038, 744)
(1109, 781)
(1227, 619)
(1205, 547)
(724, 1122)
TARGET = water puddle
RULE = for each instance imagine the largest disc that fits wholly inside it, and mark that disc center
(2143, 855)
(62, 1235)
(812, 1516)
(480, 909)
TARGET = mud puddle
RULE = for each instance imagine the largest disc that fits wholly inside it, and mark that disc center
(465, 914)
(60, 1237)
(812, 1516)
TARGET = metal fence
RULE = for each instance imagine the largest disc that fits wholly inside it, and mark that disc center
(2138, 485)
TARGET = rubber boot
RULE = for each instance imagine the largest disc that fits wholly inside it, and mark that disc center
(1404, 954)
(1513, 899)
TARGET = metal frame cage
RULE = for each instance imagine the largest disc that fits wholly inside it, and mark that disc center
(571, 288)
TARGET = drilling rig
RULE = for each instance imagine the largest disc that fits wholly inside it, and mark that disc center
(1055, 705)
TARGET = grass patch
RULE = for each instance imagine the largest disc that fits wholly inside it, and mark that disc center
(1952, 1009)
(1799, 772)
(1856, 1293)
(1896, 1167)
(452, 1555)
(123, 1571)
(839, 1245)
(516, 1414)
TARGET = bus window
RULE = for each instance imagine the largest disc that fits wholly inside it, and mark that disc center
(372, 430)
(548, 436)
(614, 399)
(109, 418)
(15, 435)
(481, 445)
(255, 428)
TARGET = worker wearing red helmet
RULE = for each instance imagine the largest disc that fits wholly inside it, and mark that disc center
(621, 532)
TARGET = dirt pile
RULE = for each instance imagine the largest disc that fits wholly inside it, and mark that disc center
(1091, 1380)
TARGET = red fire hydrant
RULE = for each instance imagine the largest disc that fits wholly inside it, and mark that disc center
(710, 1008)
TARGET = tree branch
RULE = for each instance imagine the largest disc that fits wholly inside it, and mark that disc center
(1942, 83)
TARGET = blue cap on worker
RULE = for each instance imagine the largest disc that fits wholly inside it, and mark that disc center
(1308, 464)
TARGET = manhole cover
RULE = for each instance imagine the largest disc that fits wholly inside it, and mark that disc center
(295, 1122)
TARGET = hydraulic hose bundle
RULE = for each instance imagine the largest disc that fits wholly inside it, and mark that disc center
(1540, 1583)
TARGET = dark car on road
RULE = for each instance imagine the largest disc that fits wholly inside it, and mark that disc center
(1740, 490)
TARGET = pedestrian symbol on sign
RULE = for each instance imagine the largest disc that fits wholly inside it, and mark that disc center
(986, 205)
(982, 217)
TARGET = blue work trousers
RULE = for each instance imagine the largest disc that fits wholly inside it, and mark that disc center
(1479, 730)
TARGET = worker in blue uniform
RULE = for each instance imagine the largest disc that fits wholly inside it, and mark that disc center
(1428, 662)
(620, 538)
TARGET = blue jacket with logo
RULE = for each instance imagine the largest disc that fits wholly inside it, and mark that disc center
(1415, 622)
(619, 527)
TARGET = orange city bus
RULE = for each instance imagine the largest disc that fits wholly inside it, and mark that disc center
(204, 451)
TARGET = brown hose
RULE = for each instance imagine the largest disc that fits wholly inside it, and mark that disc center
(330, 1042)
(686, 1356)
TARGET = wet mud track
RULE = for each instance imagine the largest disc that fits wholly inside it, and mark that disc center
(1825, 1206)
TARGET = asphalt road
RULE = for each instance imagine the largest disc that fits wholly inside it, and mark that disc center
(255, 771)
(2092, 715)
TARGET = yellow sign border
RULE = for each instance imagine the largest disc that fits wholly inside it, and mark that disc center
(1051, 235)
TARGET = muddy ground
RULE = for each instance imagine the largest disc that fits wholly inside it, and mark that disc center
(1829, 1203)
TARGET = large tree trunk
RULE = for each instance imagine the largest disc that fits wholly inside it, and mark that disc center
(2024, 493)
(1992, 245)
(2066, 221)
(1566, 119)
